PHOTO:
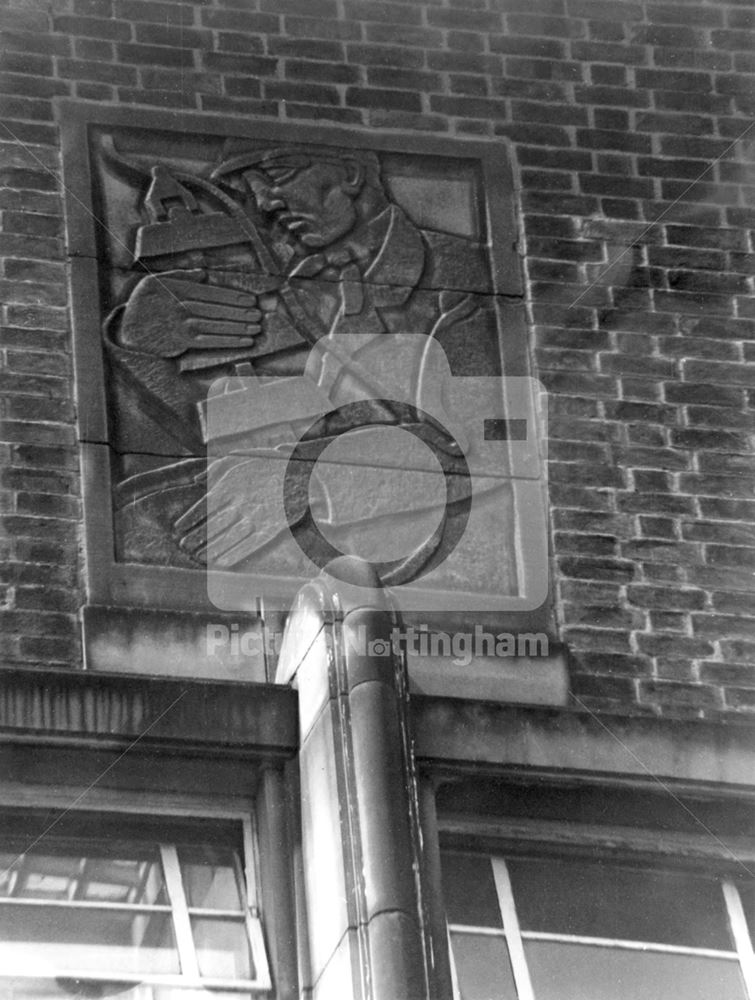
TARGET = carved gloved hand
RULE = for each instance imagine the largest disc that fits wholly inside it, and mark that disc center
(243, 510)
(177, 311)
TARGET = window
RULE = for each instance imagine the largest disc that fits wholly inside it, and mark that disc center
(146, 910)
(543, 928)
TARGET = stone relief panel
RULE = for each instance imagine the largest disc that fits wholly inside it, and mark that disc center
(298, 337)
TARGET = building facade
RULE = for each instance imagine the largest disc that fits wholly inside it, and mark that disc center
(377, 499)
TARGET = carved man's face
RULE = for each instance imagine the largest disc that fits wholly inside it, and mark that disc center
(316, 204)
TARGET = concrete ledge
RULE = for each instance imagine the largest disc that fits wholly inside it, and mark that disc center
(174, 643)
(258, 721)
(456, 734)
(542, 680)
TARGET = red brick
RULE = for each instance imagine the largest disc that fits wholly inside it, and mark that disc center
(531, 111)
(636, 187)
(736, 465)
(18, 62)
(472, 107)
(407, 120)
(93, 8)
(708, 416)
(317, 112)
(242, 87)
(655, 503)
(725, 374)
(693, 59)
(230, 105)
(180, 80)
(92, 27)
(158, 98)
(685, 13)
(242, 64)
(740, 698)
(588, 568)
(404, 34)
(16, 41)
(465, 41)
(712, 440)
(322, 9)
(610, 76)
(229, 41)
(542, 48)
(323, 72)
(377, 10)
(240, 20)
(154, 55)
(612, 664)
(603, 687)
(672, 36)
(154, 11)
(304, 93)
(311, 27)
(725, 39)
(25, 107)
(537, 24)
(695, 101)
(531, 90)
(602, 640)
(474, 20)
(607, 139)
(33, 623)
(683, 124)
(730, 487)
(78, 69)
(461, 83)
(661, 79)
(307, 49)
(676, 696)
(31, 86)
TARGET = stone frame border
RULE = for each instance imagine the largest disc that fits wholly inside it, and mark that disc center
(110, 582)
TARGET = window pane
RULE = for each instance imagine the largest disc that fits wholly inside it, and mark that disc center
(65, 989)
(88, 870)
(58, 938)
(211, 877)
(483, 967)
(747, 894)
(608, 901)
(561, 971)
(222, 948)
(469, 890)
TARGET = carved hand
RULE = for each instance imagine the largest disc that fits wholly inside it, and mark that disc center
(242, 512)
(177, 311)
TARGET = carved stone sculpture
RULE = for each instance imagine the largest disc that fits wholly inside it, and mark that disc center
(241, 270)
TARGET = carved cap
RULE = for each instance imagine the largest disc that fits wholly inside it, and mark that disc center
(282, 163)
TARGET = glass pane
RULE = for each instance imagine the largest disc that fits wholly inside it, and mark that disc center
(55, 939)
(89, 870)
(211, 877)
(222, 948)
(469, 890)
(608, 901)
(64, 989)
(747, 894)
(483, 968)
(561, 971)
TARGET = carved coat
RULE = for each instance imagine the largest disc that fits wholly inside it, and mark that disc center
(401, 279)
(412, 281)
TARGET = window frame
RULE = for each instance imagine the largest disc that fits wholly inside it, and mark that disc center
(181, 808)
(623, 846)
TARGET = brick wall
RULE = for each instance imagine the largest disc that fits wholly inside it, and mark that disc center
(628, 125)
